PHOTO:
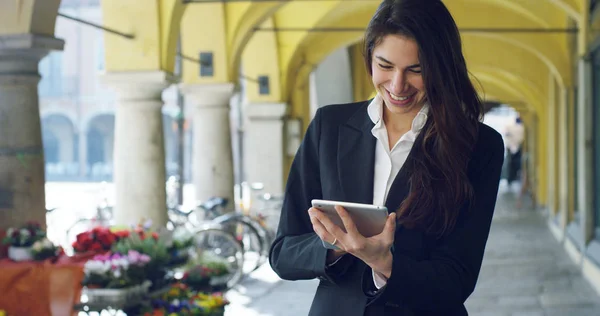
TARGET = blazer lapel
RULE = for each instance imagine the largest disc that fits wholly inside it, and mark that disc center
(356, 158)
(401, 185)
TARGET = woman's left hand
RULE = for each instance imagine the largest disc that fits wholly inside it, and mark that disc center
(374, 251)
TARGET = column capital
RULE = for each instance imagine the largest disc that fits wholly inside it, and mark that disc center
(265, 111)
(20, 55)
(208, 95)
(138, 85)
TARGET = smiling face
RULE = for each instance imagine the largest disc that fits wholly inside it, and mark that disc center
(396, 74)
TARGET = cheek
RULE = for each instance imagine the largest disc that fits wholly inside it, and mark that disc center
(417, 82)
(378, 77)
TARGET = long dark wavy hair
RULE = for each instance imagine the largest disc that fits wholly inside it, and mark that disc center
(439, 186)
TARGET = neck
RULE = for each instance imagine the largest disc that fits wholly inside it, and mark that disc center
(399, 122)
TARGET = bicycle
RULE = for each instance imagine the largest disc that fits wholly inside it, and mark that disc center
(102, 217)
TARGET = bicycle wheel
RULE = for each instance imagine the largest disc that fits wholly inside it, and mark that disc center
(217, 242)
(249, 235)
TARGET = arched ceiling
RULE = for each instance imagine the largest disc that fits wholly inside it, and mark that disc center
(301, 51)
(23, 17)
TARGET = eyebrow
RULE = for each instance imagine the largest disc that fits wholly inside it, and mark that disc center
(391, 63)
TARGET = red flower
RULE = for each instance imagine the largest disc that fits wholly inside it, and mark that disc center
(106, 239)
(122, 234)
(96, 247)
(100, 230)
(84, 239)
(155, 235)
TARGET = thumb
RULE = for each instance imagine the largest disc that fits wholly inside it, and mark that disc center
(390, 226)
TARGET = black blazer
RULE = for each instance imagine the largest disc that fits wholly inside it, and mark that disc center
(429, 276)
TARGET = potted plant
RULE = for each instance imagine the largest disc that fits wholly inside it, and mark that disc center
(179, 247)
(98, 240)
(45, 249)
(153, 246)
(207, 276)
(20, 240)
(211, 304)
(116, 278)
(182, 300)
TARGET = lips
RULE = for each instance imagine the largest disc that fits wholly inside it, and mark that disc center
(402, 101)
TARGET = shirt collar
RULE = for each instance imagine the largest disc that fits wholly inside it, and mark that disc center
(375, 110)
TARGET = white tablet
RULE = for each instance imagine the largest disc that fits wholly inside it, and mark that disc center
(369, 219)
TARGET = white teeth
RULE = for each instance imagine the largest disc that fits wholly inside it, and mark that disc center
(397, 98)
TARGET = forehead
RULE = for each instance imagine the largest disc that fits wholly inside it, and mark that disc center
(400, 50)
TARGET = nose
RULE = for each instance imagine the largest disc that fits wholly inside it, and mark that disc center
(398, 82)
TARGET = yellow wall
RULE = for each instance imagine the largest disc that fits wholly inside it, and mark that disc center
(203, 30)
(260, 58)
(361, 81)
(153, 23)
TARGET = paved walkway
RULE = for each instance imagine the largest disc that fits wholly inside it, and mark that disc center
(525, 273)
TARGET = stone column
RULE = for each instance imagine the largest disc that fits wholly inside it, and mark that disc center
(212, 158)
(22, 195)
(563, 159)
(263, 145)
(585, 150)
(139, 153)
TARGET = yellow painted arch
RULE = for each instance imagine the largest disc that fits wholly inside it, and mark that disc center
(534, 97)
(571, 7)
(253, 16)
(318, 45)
(23, 17)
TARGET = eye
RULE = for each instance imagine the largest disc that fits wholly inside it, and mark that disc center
(416, 71)
(385, 67)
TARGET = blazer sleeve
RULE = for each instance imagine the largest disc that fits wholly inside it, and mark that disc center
(446, 279)
(297, 253)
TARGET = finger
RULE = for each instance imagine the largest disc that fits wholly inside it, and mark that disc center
(333, 229)
(315, 215)
(347, 221)
(321, 231)
(389, 230)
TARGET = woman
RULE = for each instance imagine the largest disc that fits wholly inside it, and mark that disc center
(419, 149)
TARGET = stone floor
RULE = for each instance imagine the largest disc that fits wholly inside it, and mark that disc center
(525, 272)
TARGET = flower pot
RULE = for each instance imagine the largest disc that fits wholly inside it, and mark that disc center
(20, 253)
(219, 280)
(117, 297)
(218, 312)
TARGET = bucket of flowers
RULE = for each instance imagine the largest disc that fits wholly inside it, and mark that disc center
(152, 245)
(21, 239)
(208, 275)
(115, 278)
(45, 249)
(98, 240)
(179, 247)
(181, 300)
(211, 304)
